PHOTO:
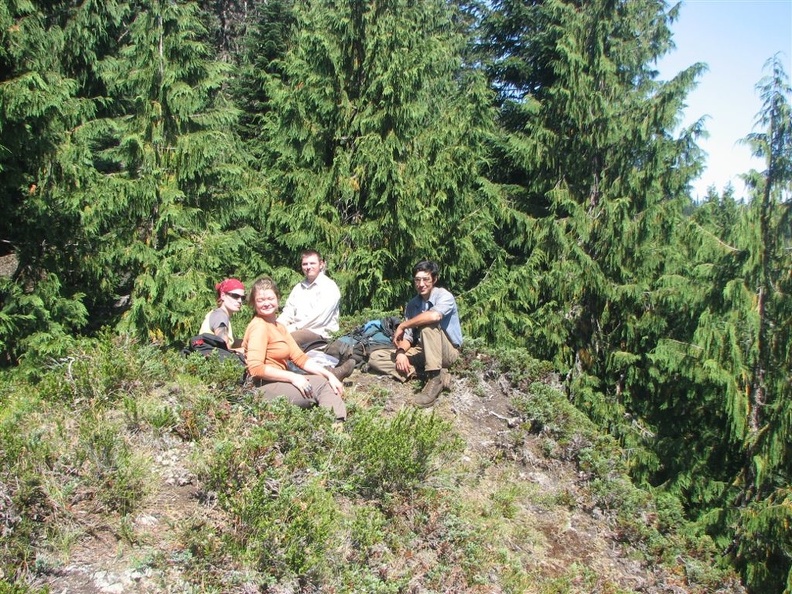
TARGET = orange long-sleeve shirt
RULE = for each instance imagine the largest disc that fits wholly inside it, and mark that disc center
(269, 343)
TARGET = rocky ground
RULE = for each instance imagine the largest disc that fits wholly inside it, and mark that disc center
(8, 265)
(103, 561)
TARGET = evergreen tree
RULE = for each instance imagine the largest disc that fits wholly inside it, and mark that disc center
(44, 50)
(168, 200)
(588, 161)
(229, 19)
(762, 302)
(375, 136)
(268, 31)
(714, 394)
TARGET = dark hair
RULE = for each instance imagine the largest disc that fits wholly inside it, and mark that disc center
(262, 284)
(427, 266)
(307, 253)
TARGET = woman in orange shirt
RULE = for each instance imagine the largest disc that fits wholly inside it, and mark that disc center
(268, 347)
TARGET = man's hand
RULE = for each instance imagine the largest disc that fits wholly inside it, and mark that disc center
(398, 335)
(402, 363)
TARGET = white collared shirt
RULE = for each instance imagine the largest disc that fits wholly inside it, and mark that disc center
(313, 306)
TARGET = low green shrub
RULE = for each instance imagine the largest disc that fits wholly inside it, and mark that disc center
(21, 588)
(387, 456)
(103, 371)
(108, 468)
(277, 437)
(547, 410)
(519, 366)
(223, 376)
(288, 529)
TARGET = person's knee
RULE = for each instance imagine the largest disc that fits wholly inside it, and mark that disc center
(381, 360)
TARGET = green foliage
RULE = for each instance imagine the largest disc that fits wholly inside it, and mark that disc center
(101, 372)
(38, 326)
(6, 588)
(546, 409)
(762, 353)
(289, 530)
(375, 142)
(175, 129)
(300, 491)
(519, 366)
(224, 376)
(25, 449)
(149, 149)
(109, 470)
(764, 540)
(395, 456)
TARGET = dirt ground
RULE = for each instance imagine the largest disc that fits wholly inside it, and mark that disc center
(103, 562)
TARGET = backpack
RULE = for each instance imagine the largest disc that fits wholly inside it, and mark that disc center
(358, 344)
(209, 345)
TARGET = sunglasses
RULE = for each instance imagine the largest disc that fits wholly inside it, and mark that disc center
(236, 296)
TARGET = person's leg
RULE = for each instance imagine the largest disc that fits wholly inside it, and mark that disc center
(439, 355)
(343, 370)
(438, 352)
(308, 340)
(272, 390)
(383, 361)
(323, 395)
(327, 398)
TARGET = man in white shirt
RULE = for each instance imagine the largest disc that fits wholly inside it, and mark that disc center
(312, 308)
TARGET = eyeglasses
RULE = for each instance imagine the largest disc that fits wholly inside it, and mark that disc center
(236, 296)
(422, 279)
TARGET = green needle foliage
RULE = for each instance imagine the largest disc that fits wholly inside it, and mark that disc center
(150, 148)
(374, 140)
(755, 312)
(172, 165)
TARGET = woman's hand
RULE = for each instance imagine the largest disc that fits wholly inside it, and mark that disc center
(316, 369)
(336, 384)
(301, 382)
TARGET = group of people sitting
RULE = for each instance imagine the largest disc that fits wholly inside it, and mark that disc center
(276, 344)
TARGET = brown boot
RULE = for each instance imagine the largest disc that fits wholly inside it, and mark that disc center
(445, 376)
(431, 390)
(344, 370)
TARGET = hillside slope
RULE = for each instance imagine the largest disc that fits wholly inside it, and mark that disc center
(520, 505)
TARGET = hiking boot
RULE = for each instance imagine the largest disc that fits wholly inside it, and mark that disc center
(344, 370)
(430, 392)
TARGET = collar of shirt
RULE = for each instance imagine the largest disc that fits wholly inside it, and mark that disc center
(307, 285)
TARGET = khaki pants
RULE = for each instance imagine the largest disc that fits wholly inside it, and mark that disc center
(433, 352)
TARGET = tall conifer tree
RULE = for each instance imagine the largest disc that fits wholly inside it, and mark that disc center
(757, 313)
(171, 183)
(375, 137)
(46, 92)
(589, 161)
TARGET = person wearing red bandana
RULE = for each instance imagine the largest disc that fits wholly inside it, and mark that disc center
(230, 295)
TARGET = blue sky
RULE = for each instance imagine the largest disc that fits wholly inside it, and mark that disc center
(734, 38)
